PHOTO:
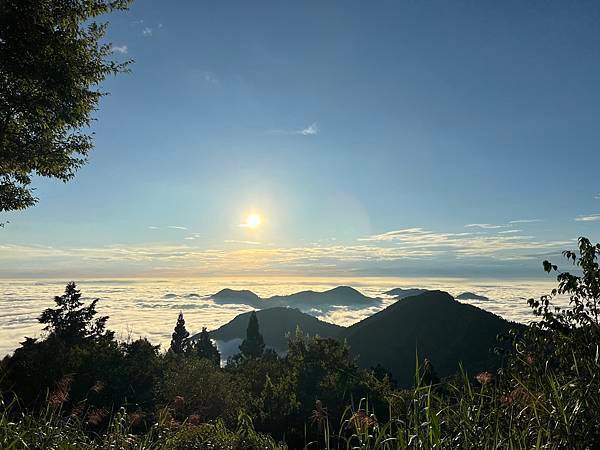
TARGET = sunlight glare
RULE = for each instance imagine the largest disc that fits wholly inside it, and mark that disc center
(253, 221)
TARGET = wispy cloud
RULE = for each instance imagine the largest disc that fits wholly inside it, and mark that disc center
(176, 227)
(486, 226)
(310, 130)
(509, 231)
(147, 31)
(590, 218)
(524, 221)
(120, 49)
(417, 246)
(184, 258)
(152, 227)
(461, 245)
(597, 196)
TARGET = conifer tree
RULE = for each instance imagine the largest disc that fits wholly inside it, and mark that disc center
(204, 348)
(179, 338)
(254, 345)
(71, 321)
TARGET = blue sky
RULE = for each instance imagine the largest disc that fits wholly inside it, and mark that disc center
(367, 135)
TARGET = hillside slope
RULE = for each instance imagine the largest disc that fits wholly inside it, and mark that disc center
(274, 324)
(433, 325)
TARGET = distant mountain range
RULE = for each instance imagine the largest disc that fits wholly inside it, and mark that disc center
(339, 296)
(471, 296)
(431, 324)
(403, 293)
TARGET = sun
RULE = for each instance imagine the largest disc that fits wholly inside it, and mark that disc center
(252, 221)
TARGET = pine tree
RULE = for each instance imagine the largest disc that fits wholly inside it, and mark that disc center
(71, 321)
(179, 338)
(254, 345)
(204, 348)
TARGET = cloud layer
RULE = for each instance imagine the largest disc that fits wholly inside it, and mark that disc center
(374, 254)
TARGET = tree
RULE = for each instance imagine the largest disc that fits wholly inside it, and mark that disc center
(71, 321)
(179, 338)
(583, 291)
(51, 62)
(204, 348)
(254, 345)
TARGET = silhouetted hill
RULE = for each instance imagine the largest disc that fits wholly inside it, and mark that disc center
(243, 297)
(339, 296)
(471, 296)
(274, 324)
(403, 293)
(437, 327)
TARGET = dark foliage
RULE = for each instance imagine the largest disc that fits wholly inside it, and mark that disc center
(71, 321)
(52, 58)
(203, 347)
(253, 346)
(179, 338)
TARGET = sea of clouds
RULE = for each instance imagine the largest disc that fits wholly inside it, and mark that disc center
(149, 307)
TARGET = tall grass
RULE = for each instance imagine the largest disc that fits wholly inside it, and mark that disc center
(49, 429)
(538, 410)
(544, 412)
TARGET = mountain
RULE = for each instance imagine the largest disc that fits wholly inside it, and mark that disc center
(471, 296)
(339, 296)
(433, 325)
(403, 293)
(274, 324)
(243, 297)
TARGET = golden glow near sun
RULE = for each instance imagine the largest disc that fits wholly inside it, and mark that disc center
(252, 221)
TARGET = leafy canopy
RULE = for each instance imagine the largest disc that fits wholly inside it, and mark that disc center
(51, 62)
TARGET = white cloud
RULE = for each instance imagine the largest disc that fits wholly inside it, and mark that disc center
(597, 196)
(233, 241)
(509, 231)
(487, 226)
(590, 218)
(147, 31)
(120, 49)
(310, 130)
(462, 245)
(524, 221)
(152, 227)
(176, 227)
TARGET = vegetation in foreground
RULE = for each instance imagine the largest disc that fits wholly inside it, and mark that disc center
(79, 388)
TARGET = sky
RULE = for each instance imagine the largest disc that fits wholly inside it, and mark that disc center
(372, 138)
